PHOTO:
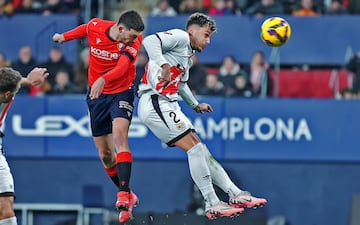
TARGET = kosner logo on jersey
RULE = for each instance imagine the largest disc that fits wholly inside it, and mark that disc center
(228, 128)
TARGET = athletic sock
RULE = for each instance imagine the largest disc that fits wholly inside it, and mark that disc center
(123, 166)
(219, 175)
(8, 221)
(201, 175)
(112, 173)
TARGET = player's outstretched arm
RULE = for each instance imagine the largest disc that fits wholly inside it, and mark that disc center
(35, 77)
(77, 32)
(203, 107)
(189, 98)
(59, 38)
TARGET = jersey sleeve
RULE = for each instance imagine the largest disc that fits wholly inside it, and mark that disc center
(127, 57)
(173, 39)
(158, 44)
(77, 32)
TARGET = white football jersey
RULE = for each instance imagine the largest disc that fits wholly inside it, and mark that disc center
(175, 50)
(3, 111)
(7, 181)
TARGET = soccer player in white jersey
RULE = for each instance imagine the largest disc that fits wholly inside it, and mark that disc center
(10, 83)
(164, 79)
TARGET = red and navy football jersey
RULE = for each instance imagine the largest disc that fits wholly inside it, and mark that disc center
(106, 55)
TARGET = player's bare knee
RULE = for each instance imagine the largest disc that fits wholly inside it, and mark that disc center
(107, 157)
(6, 208)
(7, 213)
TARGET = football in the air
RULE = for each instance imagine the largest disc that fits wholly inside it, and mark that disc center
(275, 31)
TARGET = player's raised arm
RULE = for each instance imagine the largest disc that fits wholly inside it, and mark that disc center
(77, 32)
(35, 77)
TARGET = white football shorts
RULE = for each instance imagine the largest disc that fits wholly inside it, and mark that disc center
(6, 179)
(165, 119)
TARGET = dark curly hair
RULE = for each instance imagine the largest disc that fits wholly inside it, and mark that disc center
(201, 20)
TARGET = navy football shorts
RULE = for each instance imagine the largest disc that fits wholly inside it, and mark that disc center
(106, 108)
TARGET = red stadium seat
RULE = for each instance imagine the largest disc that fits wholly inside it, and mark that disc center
(313, 83)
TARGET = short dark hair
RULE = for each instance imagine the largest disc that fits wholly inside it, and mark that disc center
(132, 20)
(201, 20)
(9, 79)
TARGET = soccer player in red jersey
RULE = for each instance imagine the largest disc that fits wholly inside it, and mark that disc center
(113, 49)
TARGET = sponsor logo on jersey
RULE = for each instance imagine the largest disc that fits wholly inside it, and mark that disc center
(103, 54)
(180, 126)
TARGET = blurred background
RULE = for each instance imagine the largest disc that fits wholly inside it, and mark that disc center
(285, 123)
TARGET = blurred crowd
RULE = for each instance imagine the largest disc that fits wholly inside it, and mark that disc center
(256, 8)
(212, 7)
(253, 80)
(65, 78)
(229, 78)
(42, 7)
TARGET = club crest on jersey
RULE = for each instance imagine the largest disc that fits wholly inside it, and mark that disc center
(121, 46)
(180, 126)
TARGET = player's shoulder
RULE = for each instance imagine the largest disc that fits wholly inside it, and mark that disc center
(176, 35)
(96, 22)
(179, 32)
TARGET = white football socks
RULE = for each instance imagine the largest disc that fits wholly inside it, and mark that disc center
(219, 175)
(8, 221)
(200, 173)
